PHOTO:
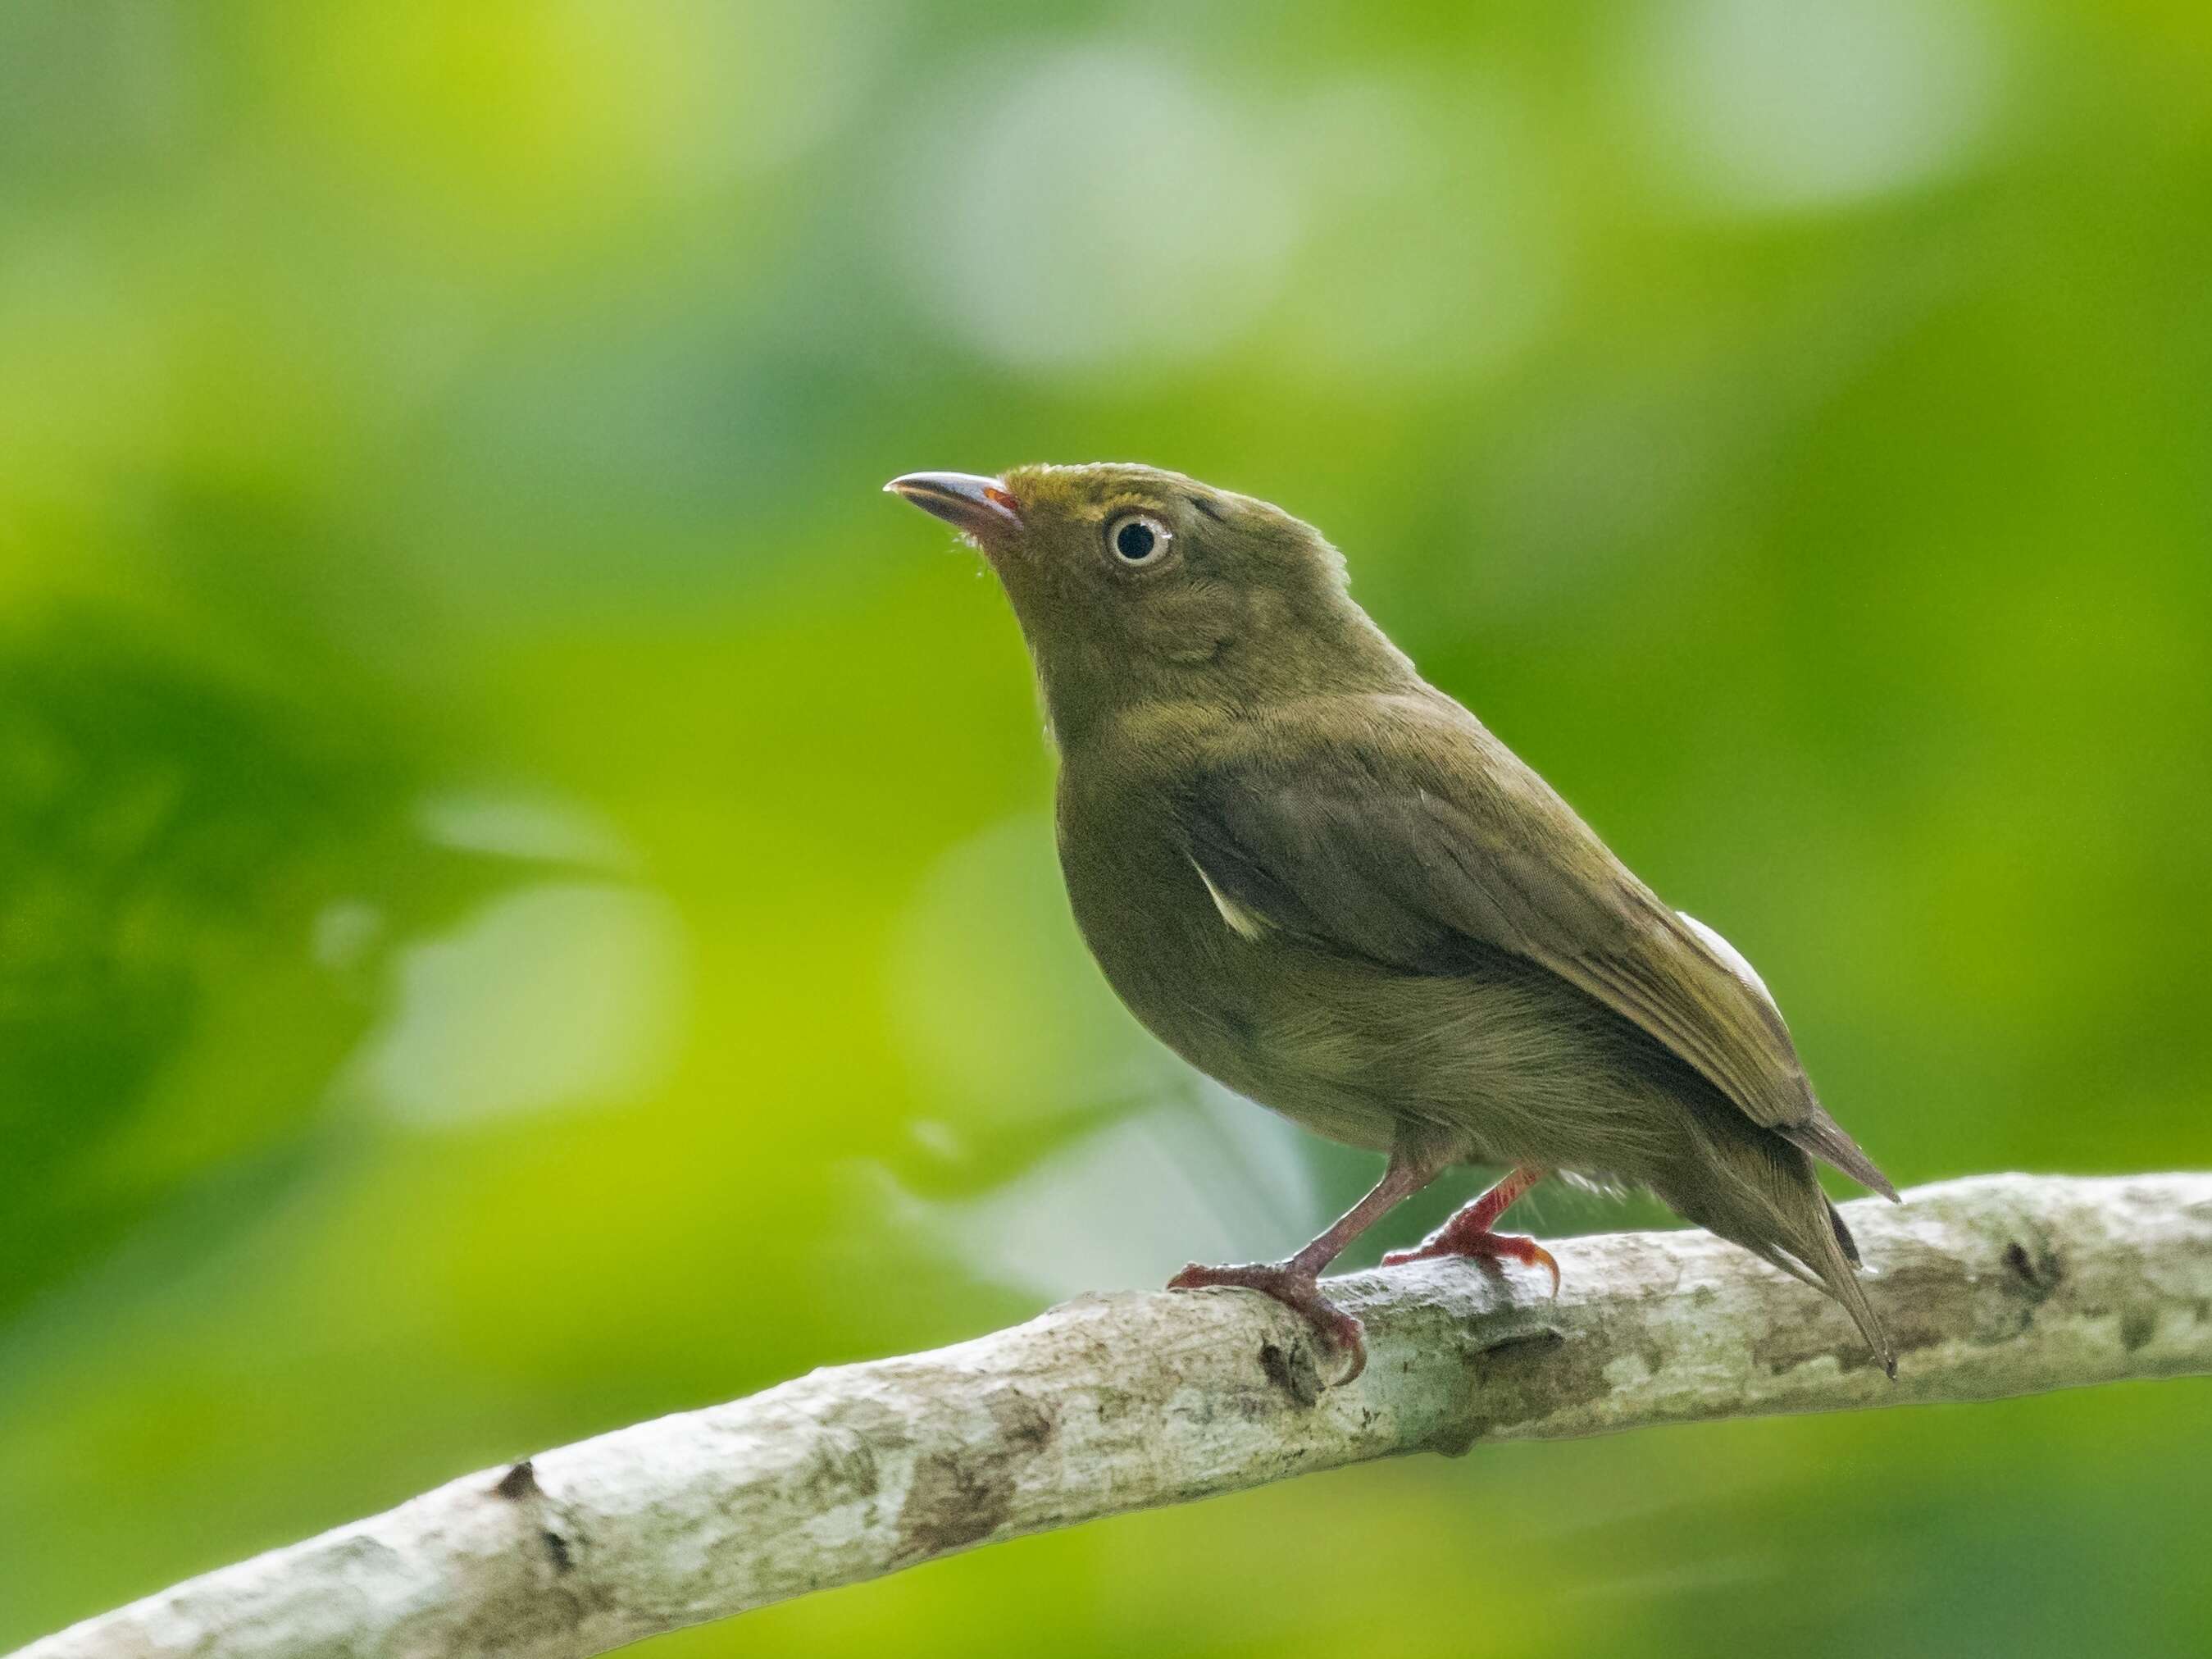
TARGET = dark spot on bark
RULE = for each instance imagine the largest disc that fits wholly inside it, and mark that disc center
(843, 1463)
(960, 1498)
(2037, 1273)
(556, 1550)
(1524, 1378)
(1293, 1371)
(1547, 1341)
(1028, 1425)
(521, 1481)
(1917, 1300)
(846, 1463)
(956, 1498)
(2137, 1327)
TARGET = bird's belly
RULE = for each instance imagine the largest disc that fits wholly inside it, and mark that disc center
(1301, 1066)
(1240, 1014)
(1501, 1063)
(1497, 1067)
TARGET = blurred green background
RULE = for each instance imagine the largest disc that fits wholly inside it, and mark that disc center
(525, 899)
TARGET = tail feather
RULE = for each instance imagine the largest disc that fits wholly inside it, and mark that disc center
(1828, 1262)
(1845, 1242)
(1827, 1141)
(1839, 1277)
(1757, 1189)
(1778, 1256)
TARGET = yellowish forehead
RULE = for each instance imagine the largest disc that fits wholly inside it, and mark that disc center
(1093, 492)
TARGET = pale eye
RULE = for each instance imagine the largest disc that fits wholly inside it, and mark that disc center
(1138, 539)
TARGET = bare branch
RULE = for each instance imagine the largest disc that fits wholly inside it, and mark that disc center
(2001, 1285)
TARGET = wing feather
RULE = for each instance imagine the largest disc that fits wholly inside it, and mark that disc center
(1401, 831)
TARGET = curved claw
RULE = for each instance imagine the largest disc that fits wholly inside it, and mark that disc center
(1480, 1247)
(1300, 1293)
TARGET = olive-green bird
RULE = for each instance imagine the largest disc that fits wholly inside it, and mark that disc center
(1320, 880)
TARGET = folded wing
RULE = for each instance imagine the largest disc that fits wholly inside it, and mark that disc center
(1399, 830)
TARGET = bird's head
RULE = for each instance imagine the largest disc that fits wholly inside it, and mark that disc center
(1135, 584)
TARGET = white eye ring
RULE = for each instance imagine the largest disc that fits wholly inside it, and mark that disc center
(1137, 540)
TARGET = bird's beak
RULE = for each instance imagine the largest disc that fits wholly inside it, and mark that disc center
(978, 509)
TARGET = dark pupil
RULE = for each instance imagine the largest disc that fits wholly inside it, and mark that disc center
(1134, 541)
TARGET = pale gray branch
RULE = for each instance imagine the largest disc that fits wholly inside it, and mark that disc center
(2005, 1284)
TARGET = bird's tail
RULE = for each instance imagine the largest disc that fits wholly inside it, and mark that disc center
(1759, 1191)
(1834, 1258)
(1827, 1139)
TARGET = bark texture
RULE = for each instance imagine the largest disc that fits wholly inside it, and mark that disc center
(2002, 1285)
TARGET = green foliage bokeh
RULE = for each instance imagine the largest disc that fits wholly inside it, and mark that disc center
(525, 897)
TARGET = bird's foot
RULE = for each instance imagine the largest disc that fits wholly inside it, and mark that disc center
(1479, 1243)
(1299, 1291)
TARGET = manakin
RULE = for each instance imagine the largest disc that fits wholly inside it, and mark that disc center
(1322, 881)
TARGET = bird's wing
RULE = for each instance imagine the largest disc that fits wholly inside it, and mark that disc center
(1401, 831)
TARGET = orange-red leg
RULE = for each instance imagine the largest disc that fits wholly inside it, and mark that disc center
(1295, 1283)
(1467, 1232)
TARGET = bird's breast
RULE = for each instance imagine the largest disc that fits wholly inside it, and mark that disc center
(1242, 1005)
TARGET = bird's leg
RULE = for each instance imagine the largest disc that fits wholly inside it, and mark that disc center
(1467, 1232)
(1295, 1281)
